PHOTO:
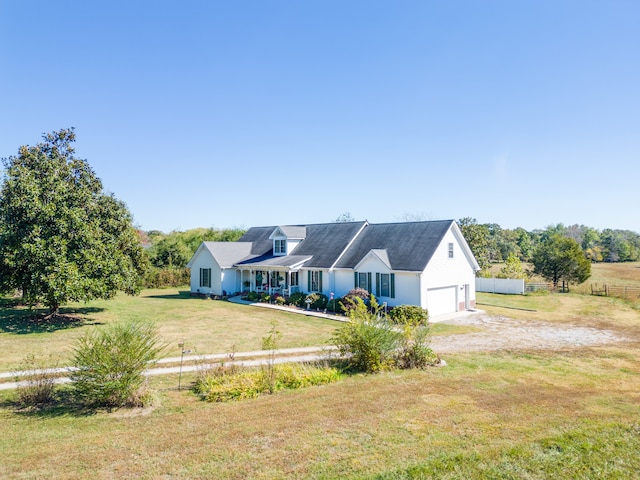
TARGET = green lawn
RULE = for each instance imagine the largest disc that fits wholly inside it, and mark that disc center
(502, 415)
(206, 326)
(573, 413)
(620, 274)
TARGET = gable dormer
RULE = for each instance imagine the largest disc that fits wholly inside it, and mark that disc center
(286, 239)
(379, 256)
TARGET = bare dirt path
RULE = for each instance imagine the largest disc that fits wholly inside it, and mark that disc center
(502, 333)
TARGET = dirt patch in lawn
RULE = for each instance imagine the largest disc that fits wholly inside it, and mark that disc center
(503, 333)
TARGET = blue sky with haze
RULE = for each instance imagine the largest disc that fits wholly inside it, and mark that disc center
(246, 113)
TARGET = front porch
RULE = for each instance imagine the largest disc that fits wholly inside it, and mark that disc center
(272, 281)
(288, 308)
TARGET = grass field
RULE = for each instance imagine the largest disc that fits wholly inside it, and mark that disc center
(620, 274)
(206, 326)
(573, 413)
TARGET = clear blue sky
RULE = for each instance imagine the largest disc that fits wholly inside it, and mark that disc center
(246, 113)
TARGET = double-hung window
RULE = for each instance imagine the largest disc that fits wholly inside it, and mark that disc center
(451, 250)
(205, 277)
(385, 285)
(315, 281)
(280, 247)
(294, 279)
(363, 280)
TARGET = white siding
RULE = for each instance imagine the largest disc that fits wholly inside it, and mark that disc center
(407, 284)
(443, 271)
(230, 281)
(407, 289)
(291, 244)
(343, 282)
(204, 259)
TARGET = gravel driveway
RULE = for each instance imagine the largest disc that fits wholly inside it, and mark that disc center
(502, 333)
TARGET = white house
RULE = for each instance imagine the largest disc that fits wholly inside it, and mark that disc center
(410, 263)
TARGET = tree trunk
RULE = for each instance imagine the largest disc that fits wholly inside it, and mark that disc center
(53, 311)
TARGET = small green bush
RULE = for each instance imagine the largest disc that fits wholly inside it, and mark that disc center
(319, 301)
(292, 376)
(37, 387)
(297, 299)
(348, 302)
(414, 350)
(368, 341)
(335, 305)
(253, 296)
(360, 293)
(223, 385)
(223, 388)
(371, 343)
(409, 315)
(111, 362)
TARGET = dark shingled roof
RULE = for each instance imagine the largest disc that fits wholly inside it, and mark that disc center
(400, 241)
(405, 246)
(262, 245)
(326, 241)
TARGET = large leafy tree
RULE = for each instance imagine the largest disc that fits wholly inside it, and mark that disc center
(62, 238)
(477, 236)
(170, 252)
(512, 268)
(559, 258)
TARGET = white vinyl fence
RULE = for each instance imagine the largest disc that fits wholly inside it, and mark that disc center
(511, 286)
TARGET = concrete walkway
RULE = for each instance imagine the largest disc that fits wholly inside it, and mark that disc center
(300, 311)
(447, 317)
(341, 318)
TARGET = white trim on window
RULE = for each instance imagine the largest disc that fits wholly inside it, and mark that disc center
(280, 247)
(205, 277)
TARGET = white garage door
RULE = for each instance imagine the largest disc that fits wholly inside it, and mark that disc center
(441, 301)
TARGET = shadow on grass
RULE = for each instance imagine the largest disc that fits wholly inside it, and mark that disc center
(175, 296)
(63, 405)
(23, 321)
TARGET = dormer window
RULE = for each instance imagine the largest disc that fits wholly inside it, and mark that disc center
(280, 247)
(287, 238)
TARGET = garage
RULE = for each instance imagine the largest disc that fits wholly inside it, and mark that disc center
(442, 300)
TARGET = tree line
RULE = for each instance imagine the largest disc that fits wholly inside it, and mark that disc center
(492, 244)
(169, 253)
